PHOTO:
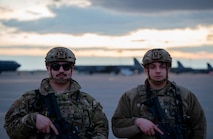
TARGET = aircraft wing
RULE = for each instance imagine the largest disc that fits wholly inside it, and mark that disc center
(116, 69)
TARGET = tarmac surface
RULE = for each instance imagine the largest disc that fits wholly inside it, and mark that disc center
(106, 88)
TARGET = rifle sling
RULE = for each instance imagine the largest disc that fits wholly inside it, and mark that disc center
(179, 118)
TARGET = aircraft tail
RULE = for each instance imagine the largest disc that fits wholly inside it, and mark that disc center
(209, 67)
(136, 62)
(180, 65)
(137, 65)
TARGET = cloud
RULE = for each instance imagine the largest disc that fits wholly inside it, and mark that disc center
(153, 6)
(94, 16)
(193, 49)
(198, 36)
(75, 20)
(123, 28)
(25, 10)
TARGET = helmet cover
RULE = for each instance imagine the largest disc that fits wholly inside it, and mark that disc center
(157, 55)
(60, 54)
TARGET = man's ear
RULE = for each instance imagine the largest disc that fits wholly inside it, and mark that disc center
(72, 68)
(145, 70)
(47, 66)
(169, 69)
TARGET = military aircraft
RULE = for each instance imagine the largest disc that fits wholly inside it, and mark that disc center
(116, 69)
(182, 69)
(8, 66)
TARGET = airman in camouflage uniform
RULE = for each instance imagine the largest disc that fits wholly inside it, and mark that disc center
(84, 115)
(182, 114)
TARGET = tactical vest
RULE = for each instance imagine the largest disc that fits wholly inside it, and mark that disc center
(170, 102)
(75, 109)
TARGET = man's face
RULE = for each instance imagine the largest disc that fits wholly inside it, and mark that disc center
(157, 71)
(60, 72)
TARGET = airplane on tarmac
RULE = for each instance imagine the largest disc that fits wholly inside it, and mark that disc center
(116, 69)
(8, 66)
(182, 69)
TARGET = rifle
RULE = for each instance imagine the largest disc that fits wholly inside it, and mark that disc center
(170, 131)
(64, 128)
(66, 131)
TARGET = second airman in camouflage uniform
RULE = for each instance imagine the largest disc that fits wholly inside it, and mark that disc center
(159, 109)
(81, 116)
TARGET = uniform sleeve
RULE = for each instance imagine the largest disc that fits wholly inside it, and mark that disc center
(101, 128)
(197, 117)
(19, 124)
(123, 125)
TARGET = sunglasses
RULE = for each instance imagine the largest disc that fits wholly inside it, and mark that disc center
(56, 66)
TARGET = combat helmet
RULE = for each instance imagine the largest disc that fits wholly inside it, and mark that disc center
(59, 54)
(157, 55)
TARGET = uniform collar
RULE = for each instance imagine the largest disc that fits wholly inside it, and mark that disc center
(45, 87)
(167, 90)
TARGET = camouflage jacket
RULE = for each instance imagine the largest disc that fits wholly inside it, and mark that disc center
(76, 107)
(130, 107)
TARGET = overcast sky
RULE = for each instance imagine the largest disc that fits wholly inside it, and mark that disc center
(97, 27)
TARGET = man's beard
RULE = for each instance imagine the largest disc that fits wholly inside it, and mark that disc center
(61, 81)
